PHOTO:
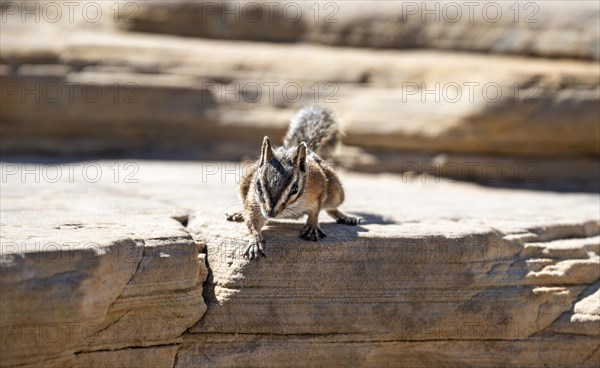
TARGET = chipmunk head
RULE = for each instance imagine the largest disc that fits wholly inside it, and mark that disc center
(280, 178)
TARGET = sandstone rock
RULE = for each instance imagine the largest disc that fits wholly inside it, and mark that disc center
(210, 19)
(544, 108)
(273, 350)
(584, 319)
(139, 268)
(565, 174)
(87, 271)
(589, 305)
(565, 249)
(440, 271)
(144, 357)
(435, 267)
(418, 100)
(548, 29)
(571, 261)
(575, 271)
(149, 95)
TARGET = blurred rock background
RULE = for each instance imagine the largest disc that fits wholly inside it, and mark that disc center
(137, 266)
(502, 93)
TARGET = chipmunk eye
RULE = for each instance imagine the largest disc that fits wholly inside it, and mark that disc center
(258, 186)
(294, 189)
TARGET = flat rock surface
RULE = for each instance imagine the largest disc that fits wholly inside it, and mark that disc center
(120, 258)
(89, 269)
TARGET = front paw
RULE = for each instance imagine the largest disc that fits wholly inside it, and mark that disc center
(312, 233)
(349, 220)
(255, 249)
(235, 217)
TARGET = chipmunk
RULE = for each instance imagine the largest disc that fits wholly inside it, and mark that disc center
(294, 180)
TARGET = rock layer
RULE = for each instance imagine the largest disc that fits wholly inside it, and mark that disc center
(99, 272)
(485, 26)
(89, 88)
(80, 286)
(420, 101)
(424, 281)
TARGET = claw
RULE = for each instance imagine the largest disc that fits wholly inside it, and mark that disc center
(305, 231)
(349, 220)
(254, 250)
(312, 233)
(321, 233)
(235, 217)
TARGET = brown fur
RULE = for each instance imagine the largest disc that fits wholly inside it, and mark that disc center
(289, 182)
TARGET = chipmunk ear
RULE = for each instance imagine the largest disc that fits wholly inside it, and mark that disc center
(300, 157)
(266, 151)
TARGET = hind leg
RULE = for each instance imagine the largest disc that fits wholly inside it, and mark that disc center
(342, 218)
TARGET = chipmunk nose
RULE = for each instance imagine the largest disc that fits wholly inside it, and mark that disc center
(272, 213)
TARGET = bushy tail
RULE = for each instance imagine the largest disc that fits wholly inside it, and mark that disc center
(316, 127)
